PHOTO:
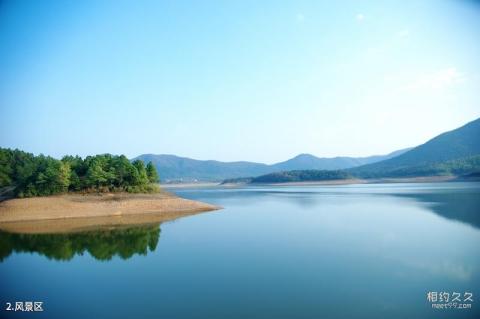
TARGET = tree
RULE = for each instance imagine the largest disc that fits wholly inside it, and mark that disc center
(142, 173)
(152, 173)
(43, 175)
(6, 167)
(96, 176)
(51, 177)
(77, 170)
(122, 170)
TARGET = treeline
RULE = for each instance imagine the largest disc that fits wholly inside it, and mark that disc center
(466, 166)
(237, 180)
(460, 166)
(301, 176)
(41, 175)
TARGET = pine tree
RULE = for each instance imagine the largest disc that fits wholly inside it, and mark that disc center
(152, 173)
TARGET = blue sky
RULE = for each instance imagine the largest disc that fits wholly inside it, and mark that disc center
(235, 80)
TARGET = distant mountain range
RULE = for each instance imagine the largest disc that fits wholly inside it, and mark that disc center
(307, 161)
(454, 152)
(175, 168)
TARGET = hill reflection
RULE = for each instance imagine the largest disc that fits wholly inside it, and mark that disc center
(100, 244)
(459, 206)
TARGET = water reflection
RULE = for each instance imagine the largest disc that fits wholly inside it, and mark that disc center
(101, 244)
(459, 206)
(369, 251)
(453, 201)
(462, 204)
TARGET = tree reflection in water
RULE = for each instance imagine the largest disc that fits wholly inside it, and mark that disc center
(100, 244)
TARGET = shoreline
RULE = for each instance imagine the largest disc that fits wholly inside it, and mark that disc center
(351, 181)
(189, 185)
(77, 212)
(429, 179)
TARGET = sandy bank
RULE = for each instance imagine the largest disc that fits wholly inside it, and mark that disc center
(306, 183)
(190, 185)
(426, 179)
(78, 212)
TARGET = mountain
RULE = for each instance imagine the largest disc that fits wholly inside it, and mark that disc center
(175, 168)
(452, 152)
(455, 153)
(307, 161)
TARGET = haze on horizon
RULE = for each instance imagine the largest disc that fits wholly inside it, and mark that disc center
(235, 81)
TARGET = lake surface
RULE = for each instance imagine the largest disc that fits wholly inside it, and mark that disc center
(353, 251)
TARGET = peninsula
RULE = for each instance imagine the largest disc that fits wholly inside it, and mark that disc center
(41, 194)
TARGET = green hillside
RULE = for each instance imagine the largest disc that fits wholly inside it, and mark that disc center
(448, 153)
(176, 168)
(300, 176)
(455, 152)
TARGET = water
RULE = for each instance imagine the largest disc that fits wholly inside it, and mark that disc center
(356, 251)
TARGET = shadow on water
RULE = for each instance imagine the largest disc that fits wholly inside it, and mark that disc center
(451, 201)
(459, 206)
(100, 244)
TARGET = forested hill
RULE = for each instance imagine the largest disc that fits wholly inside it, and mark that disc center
(452, 152)
(455, 152)
(300, 176)
(28, 175)
(175, 168)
